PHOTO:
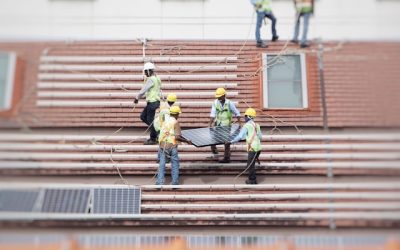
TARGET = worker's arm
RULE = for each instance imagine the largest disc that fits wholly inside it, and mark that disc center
(259, 134)
(239, 137)
(212, 115)
(235, 112)
(178, 135)
(144, 89)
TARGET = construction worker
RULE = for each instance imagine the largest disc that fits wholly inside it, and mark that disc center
(152, 90)
(221, 115)
(264, 10)
(170, 135)
(304, 8)
(252, 132)
(163, 112)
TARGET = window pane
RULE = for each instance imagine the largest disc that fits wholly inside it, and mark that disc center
(284, 82)
(4, 64)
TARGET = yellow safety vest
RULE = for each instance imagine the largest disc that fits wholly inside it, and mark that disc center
(252, 140)
(223, 114)
(265, 5)
(162, 115)
(304, 6)
(153, 94)
(167, 132)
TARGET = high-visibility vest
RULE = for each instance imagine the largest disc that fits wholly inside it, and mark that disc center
(304, 6)
(223, 114)
(153, 94)
(167, 132)
(252, 140)
(265, 5)
(161, 116)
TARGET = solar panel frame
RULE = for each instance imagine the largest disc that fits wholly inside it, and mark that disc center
(65, 200)
(202, 137)
(124, 200)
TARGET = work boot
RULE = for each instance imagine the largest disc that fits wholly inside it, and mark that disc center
(250, 182)
(261, 45)
(294, 41)
(150, 142)
(275, 38)
(225, 160)
(304, 45)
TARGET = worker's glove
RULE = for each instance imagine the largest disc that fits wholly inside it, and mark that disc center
(136, 101)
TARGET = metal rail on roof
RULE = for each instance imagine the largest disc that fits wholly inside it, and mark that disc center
(133, 59)
(131, 94)
(196, 156)
(265, 147)
(379, 216)
(135, 86)
(128, 104)
(274, 196)
(376, 165)
(137, 68)
(132, 77)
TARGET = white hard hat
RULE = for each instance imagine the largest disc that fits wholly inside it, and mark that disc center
(148, 66)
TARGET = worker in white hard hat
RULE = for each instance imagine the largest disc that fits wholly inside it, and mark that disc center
(221, 115)
(152, 90)
(252, 132)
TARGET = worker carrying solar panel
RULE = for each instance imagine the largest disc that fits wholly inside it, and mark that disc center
(170, 135)
(252, 132)
(221, 114)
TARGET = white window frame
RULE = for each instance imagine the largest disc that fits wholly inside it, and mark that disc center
(304, 84)
(9, 88)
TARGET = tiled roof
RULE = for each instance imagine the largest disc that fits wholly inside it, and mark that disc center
(92, 84)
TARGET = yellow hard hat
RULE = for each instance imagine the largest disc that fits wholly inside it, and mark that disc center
(250, 112)
(171, 97)
(175, 110)
(220, 92)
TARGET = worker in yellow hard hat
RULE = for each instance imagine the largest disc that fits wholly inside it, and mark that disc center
(170, 135)
(221, 114)
(163, 112)
(152, 90)
(252, 132)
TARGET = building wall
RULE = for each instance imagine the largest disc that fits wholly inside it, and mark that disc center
(190, 19)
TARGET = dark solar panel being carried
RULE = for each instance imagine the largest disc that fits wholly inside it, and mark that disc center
(202, 137)
(18, 200)
(116, 200)
(66, 200)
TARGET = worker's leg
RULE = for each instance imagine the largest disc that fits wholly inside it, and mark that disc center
(271, 17)
(251, 161)
(296, 28)
(174, 166)
(143, 115)
(227, 154)
(151, 112)
(161, 167)
(306, 20)
(260, 18)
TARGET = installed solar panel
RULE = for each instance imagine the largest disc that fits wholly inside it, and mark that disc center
(18, 200)
(66, 200)
(202, 137)
(116, 200)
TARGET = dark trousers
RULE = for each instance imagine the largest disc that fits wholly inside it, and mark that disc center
(147, 116)
(252, 157)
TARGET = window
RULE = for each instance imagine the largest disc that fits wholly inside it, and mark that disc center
(7, 72)
(285, 82)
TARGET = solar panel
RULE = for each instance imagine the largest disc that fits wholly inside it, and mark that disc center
(202, 137)
(116, 200)
(66, 201)
(18, 200)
